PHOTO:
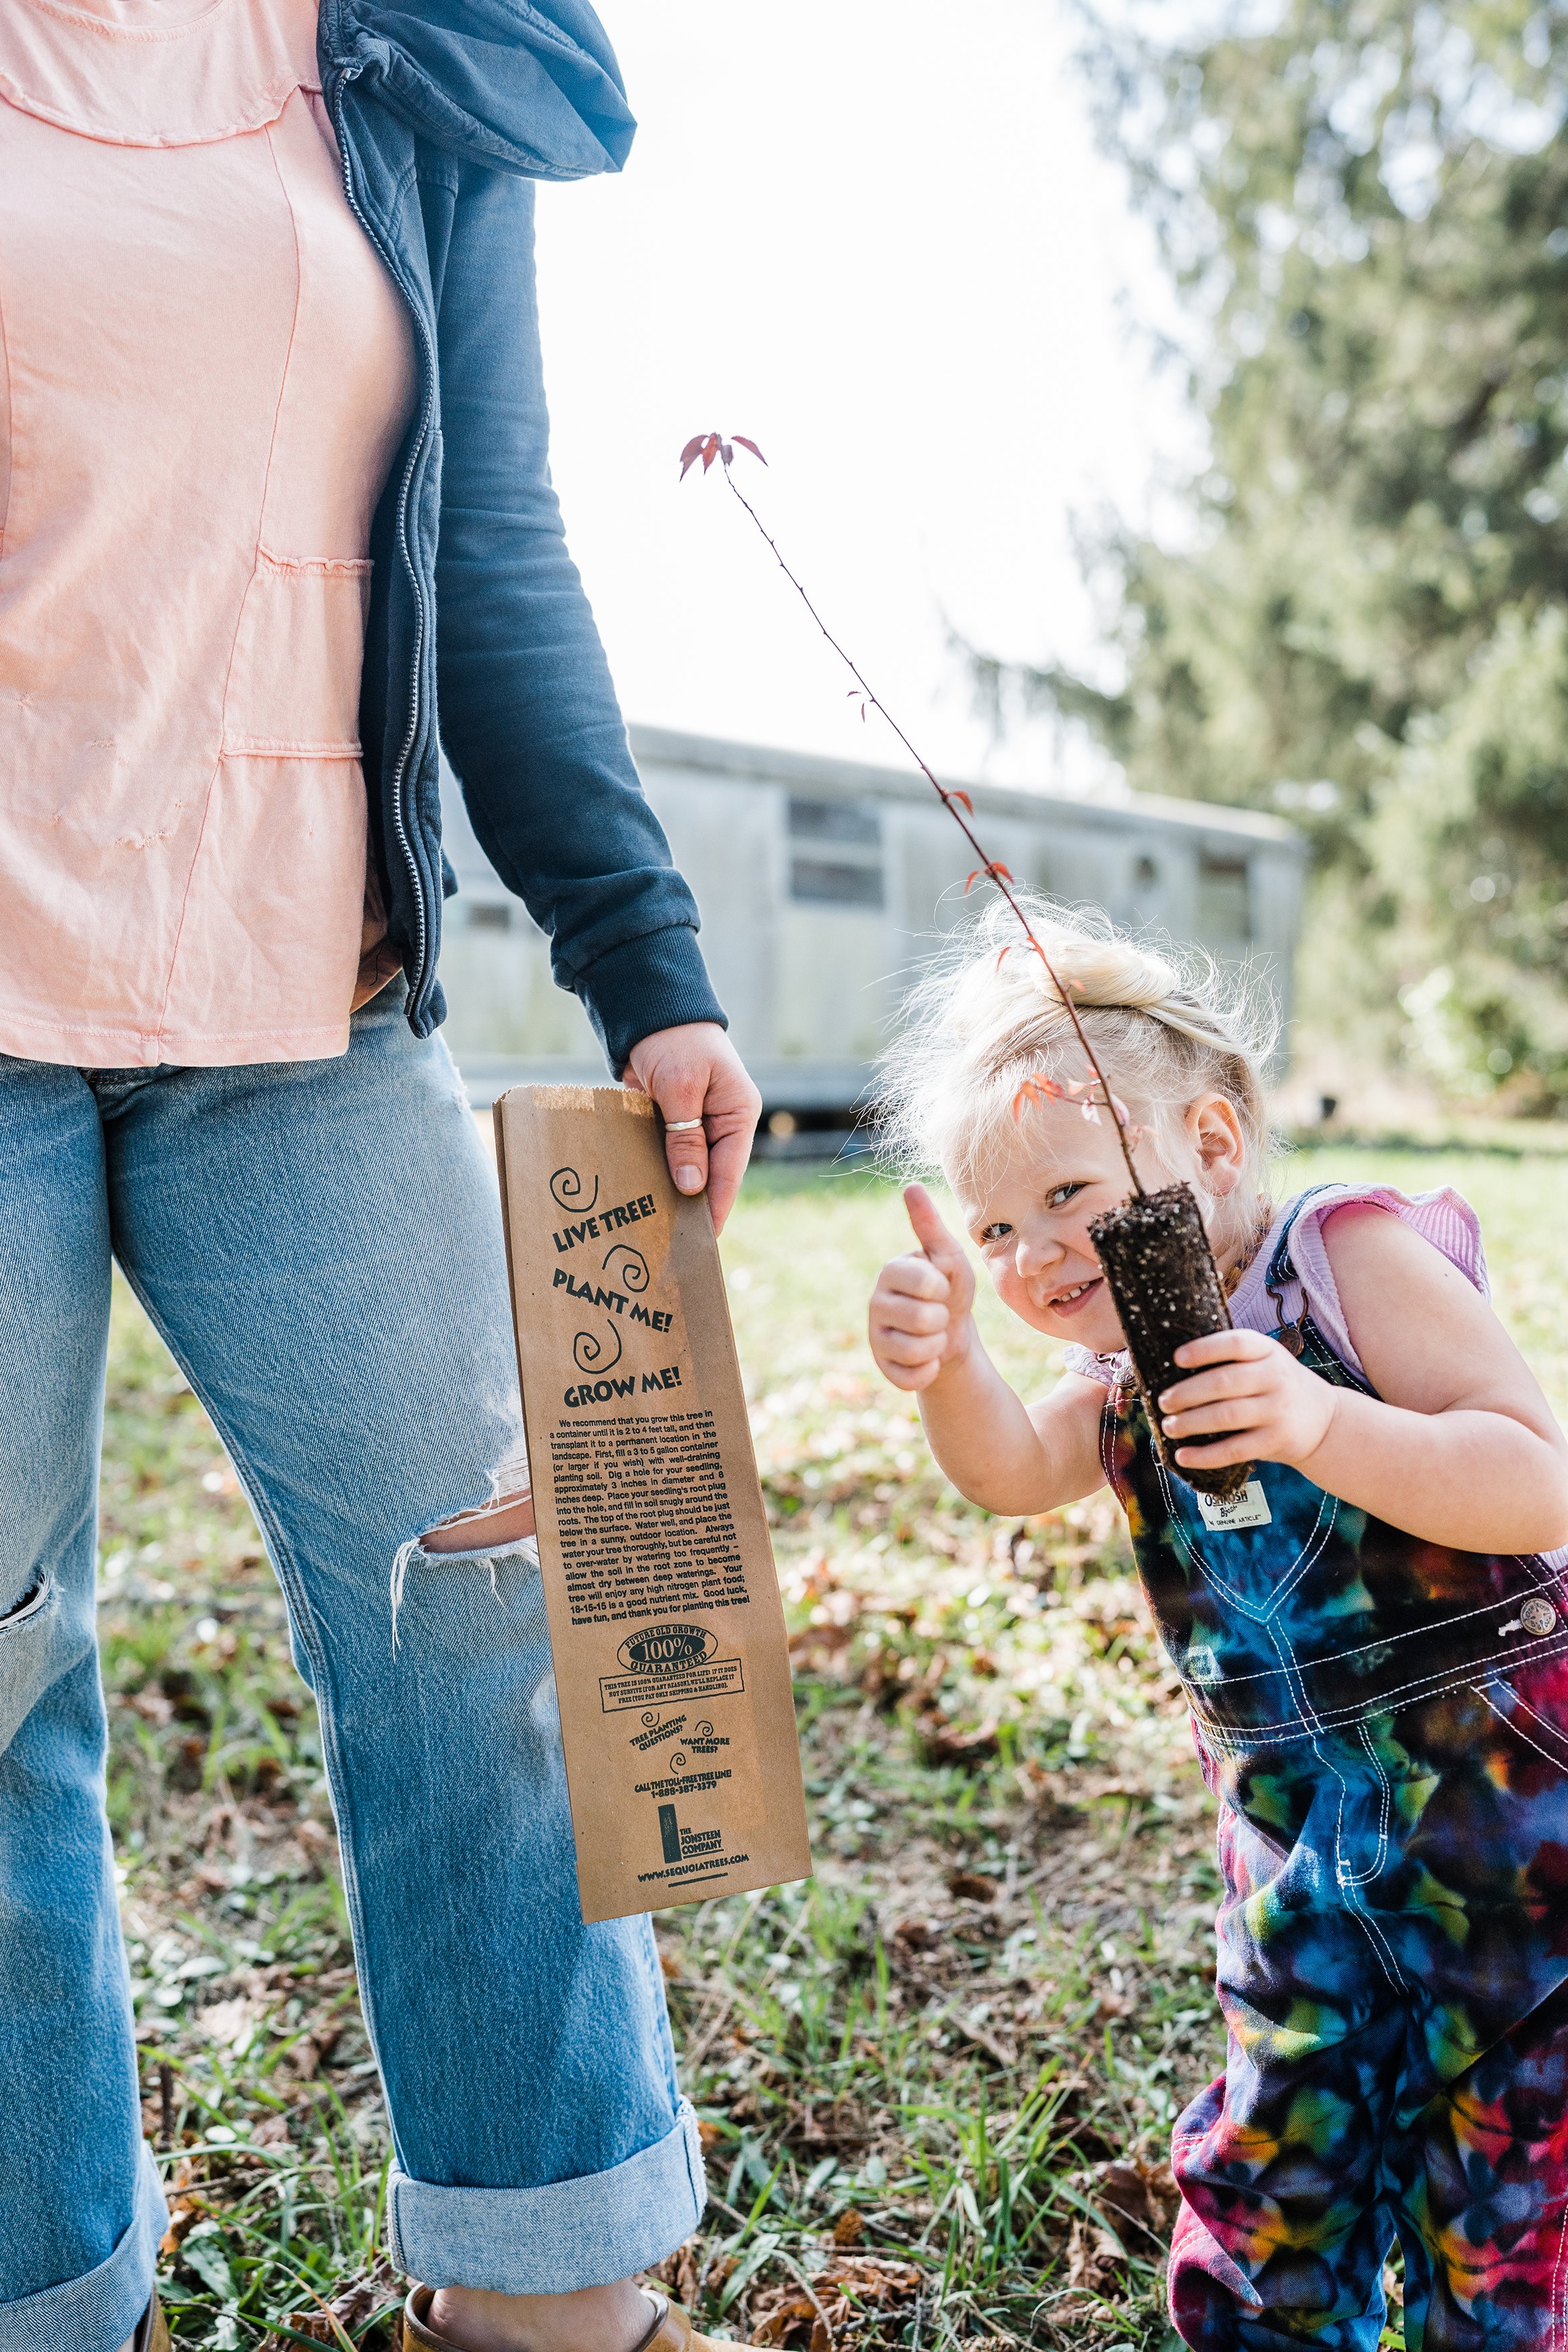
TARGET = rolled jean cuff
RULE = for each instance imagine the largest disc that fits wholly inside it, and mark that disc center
(554, 2239)
(97, 2312)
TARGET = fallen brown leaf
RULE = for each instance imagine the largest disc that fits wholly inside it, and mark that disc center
(1093, 2257)
(917, 1935)
(945, 1745)
(1144, 2195)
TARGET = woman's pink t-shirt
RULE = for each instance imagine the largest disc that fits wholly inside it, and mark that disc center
(205, 371)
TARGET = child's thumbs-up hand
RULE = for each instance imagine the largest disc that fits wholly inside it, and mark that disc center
(921, 1320)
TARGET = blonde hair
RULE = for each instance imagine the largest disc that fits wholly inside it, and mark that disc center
(1167, 1024)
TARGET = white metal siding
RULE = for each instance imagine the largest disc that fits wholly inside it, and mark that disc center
(811, 985)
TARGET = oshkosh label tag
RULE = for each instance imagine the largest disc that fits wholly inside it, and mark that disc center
(1226, 1514)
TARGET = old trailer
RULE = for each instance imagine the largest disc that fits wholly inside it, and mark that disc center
(822, 884)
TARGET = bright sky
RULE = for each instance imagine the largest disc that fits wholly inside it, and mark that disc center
(876, 236)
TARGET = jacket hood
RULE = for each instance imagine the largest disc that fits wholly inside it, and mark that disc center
(524, 87)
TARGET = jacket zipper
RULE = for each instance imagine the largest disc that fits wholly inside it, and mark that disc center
(399, 774)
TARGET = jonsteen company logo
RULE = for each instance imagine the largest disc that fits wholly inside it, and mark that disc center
(665, 1649)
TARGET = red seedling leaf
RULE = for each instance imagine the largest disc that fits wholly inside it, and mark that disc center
(956, 795)
(710, 450)
(1034, 1090)
(970, 879)
(999, 874)
(692, 451)
(1003, 956)
(741, 443)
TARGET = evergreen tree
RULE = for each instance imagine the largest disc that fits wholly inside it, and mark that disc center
(1365, 208)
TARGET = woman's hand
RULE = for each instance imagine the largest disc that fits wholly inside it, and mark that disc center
(694, 1072)
(919, 1317)
(1249, 1386)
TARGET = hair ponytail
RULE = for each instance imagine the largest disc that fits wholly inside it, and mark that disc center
(1168, 1024)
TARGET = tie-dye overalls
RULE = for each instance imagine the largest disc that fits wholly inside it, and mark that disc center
(1384, 1724)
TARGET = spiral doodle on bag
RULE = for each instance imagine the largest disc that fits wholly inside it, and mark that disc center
(567, 1189)
(588, 1351)
(634, 1272)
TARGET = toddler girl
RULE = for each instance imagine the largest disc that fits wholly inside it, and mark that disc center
(1373, 1640)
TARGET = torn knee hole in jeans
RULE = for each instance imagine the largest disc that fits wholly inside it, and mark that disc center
(505, 1521)
(497, 1524)
(27, 1606)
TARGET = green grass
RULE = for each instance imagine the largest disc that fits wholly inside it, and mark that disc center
(936, 2083)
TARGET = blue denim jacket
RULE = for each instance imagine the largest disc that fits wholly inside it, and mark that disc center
(446, 112)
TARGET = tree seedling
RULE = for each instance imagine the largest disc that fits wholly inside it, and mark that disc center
(1153, 1249)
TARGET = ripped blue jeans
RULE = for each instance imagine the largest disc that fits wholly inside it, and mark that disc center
(320, 1245)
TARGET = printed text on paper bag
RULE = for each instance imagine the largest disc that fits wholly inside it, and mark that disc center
(644, 1517)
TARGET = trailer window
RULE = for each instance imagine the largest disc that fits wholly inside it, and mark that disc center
(817, 882)
(1225, 900)
(834, 821)
(842, 866)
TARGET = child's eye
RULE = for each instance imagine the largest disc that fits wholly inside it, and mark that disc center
(1062, 1195)
(997, 1232)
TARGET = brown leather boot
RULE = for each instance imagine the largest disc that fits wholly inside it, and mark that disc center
(671, 2332)
(151, 2334)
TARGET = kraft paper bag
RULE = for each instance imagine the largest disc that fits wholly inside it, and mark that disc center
(671, 1660)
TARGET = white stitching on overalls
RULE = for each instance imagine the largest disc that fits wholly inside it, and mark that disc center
(1387, 1960)
(1559, 2287)
(1523, 1707)
(1389, 1701)
(1352, 1885)
(1483, 1691)
(1384, 1818)
(1306, 1558)
(1352, 1888)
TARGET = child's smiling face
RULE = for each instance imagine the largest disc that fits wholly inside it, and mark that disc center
(1030, 1216)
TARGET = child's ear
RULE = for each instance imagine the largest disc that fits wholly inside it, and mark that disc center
(1215, 1132)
